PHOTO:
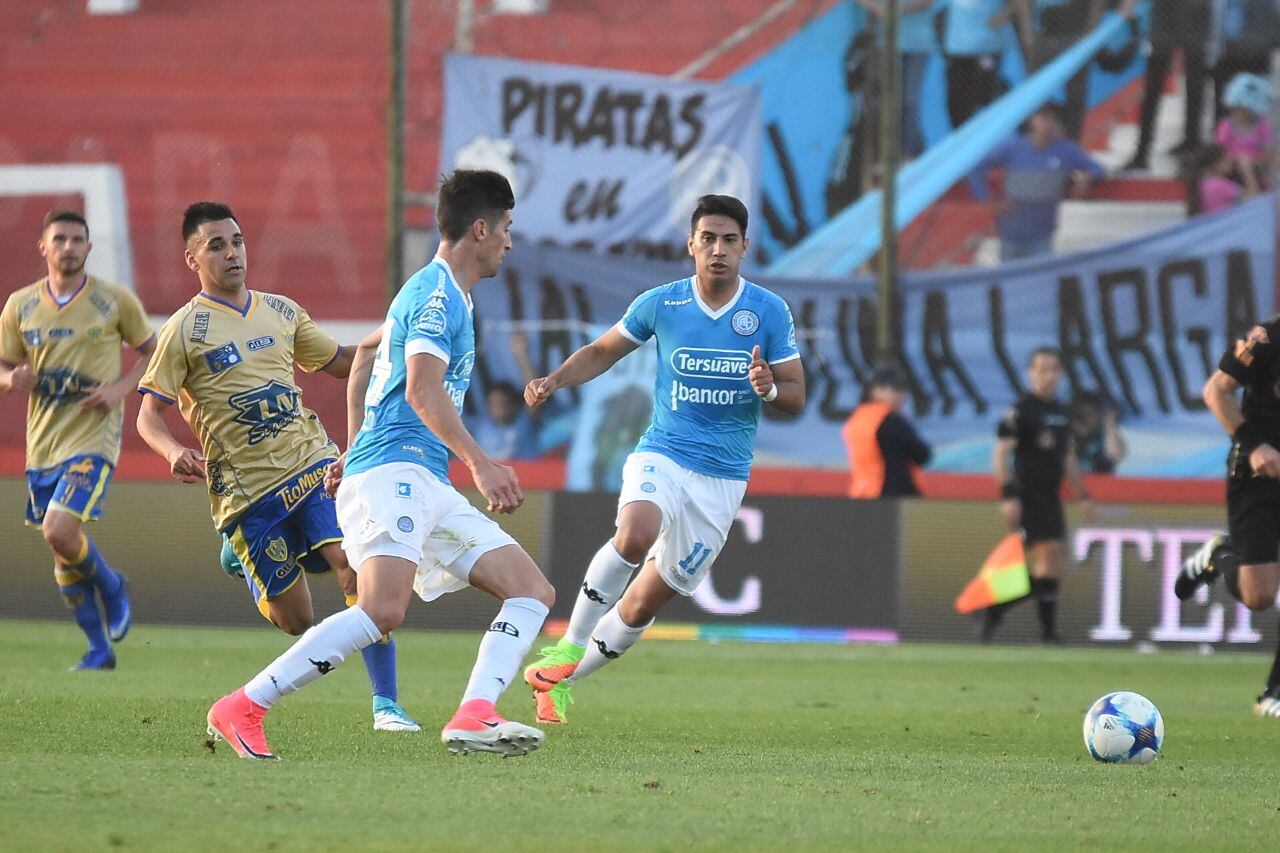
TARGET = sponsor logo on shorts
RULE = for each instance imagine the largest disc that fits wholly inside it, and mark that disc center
(405, 524)
(404, 490)
(649, 469)
(745, 322)
(261, 343)
(702, 363)
(277, 551)
(293, 493)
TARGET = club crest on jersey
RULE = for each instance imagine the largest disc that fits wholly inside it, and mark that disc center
(32, 338)
(223, 358)
(745, 321)
(267, 410)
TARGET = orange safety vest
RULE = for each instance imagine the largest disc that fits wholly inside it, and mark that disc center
(866, 460)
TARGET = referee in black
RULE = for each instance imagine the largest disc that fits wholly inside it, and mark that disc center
(1036, 434)
(1247, 558)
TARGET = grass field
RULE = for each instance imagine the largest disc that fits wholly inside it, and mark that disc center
(682, 746)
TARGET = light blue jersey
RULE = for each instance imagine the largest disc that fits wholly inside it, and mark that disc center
(705, 411)
(429, 315)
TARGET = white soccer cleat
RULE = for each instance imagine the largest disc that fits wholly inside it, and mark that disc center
(1268, 705)
(388, 716)
(477, 727)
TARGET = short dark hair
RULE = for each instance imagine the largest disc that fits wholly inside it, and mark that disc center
(201, 212)
(470, 194)
(64, 215)
(1045, 350)
(719, 205)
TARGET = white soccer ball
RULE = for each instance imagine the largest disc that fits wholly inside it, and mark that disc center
(1123, 728)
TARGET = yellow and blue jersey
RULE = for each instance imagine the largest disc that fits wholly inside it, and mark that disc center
(431, 314)
(705, 411)
(73, 347)
(231, 373)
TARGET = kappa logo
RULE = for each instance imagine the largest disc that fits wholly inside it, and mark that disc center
(322, 666)
(592, 595)
(605, 650)
(676, 303)
(505, 628)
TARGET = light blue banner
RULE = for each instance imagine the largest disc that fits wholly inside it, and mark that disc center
(601, 159)
(848, 239)
(1142, 323)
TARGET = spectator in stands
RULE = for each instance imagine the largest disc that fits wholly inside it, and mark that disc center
(885, 452)
(1037, 168)
(973, 40)
(1058, 25)
(1245, 134)
(507, 432)
(1095, 426)
(1175, 25)
(1245, 33)
(1210, 185)
(916, 43)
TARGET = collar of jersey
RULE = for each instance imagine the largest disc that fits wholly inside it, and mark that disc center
(227, 306)
(466, 297)
(723, 309)
(47, 290)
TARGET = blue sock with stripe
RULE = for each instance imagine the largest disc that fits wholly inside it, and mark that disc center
(380, 661)
(95, 568)
(83, 605)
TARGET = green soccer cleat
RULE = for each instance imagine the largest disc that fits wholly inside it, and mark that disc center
(551, 704)
(556, 664)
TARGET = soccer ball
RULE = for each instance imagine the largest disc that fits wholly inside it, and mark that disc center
(1123, 728)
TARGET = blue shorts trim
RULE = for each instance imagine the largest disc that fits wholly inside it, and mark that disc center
(279, 536)
(76, 487)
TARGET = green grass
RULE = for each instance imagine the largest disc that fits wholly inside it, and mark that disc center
(682, 746)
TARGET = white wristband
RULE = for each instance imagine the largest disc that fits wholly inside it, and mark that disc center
(772, 395)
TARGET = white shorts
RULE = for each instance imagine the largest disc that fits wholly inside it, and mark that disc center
(697, 512)
(403, 510)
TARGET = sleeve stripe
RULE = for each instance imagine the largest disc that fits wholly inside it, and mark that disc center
(142, 343)
(626, 334)
(792, 357)
(142, 389)
(336, 353)
(420, 346)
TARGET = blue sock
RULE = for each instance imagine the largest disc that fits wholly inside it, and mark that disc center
(84, 606)
(94, 567)
(380, 661)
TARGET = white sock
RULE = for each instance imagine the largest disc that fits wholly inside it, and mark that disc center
(504, 646)
(315, 653)
(606, 580)
(608, 641)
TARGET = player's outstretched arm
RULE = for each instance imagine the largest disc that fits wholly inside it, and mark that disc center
(340, 366)
(583, 366)
(185, 463)
(781, 384)
(425, 392)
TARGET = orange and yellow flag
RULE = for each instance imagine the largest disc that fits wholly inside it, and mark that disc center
(1003, 577)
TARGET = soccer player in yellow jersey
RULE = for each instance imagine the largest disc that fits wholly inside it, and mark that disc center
(227, 358)
(60, 344)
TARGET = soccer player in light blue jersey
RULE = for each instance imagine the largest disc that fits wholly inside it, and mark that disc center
(405, 528)
(725, 348)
